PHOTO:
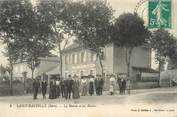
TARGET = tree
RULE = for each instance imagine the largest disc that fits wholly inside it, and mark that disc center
(12, 55)
(90, 21)
(163, 44)
(21, 24)
(11, 13)
(53, 12)
(129, 32)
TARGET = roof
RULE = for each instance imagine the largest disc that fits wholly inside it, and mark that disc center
(54, 71)
(50, 59)
(145, 69)
(46, 70)
(72, 46)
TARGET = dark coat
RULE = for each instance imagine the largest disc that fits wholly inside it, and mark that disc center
(44, 87)
(96, 83)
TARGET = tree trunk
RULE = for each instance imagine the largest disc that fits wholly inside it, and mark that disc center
(159, 73)
(61, 60)
(128, 59)
(32, 73)
(101, 64)
(11, 79)
(128, 70)
(61, 64)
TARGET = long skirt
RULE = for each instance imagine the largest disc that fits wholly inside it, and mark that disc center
(91, 88)
(84, 90)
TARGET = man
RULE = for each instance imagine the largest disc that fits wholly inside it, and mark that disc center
(36, 86)
(70, 86)
(58, 88)
(97, 85)
(101, 84)
(128, 86)
(62, 84)
(44, 88)
(123, 86)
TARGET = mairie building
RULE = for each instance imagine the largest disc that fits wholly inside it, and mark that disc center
(80, 61)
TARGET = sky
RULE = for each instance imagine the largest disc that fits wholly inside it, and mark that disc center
(124, 6)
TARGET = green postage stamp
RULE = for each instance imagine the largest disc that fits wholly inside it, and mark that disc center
(160, 15)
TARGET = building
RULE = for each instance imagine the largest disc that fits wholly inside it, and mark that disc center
(80, 61)
(46, 64)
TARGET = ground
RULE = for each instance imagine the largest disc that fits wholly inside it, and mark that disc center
(149, 102)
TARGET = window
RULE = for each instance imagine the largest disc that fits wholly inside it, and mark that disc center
(70, 59)
(85, 57)
(81, 73)
(82, 57)
(91, 72)
(73, 58)
(92, 57)
(78, 57)
(66, 59)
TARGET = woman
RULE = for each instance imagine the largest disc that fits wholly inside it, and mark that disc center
(91, 85)
(76, 88)
(52, 94)
(84, 86)
(112, 81)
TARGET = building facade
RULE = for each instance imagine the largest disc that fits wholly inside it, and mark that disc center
(80, 61)
(46, 65)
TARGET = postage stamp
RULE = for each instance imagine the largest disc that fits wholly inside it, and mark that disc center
(160, 13)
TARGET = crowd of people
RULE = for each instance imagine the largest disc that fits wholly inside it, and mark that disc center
(74, 87)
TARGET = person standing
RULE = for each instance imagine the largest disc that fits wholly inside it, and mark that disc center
(97, 85)
(65, 82)
(112, 82)
(128, 86)
(91, 85)
(70, 86)
(44, 88)
(119, 84)
(123, 86)
(36, 86)
(52, 93)
(101, 84)
(75, 90)
(50, 89)
(84, 86)
(58, 88)
(62, 86)
(54, 89)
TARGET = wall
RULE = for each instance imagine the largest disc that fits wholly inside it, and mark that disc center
(141, 57)
(108, 60)
(86, 65)
(45, 65)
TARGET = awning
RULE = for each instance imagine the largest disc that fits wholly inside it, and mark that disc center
(54, 71)
(146, 70)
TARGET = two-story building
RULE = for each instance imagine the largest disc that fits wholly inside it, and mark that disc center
(80, 61)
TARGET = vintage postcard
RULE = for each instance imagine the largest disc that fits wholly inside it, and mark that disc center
(88, 58)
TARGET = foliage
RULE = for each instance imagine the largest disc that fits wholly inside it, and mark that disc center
(24, 32)
(90, 21)
(129, 32)
(53, 12)
(164, 44)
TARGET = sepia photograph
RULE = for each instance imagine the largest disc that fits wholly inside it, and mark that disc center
(88, 58)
